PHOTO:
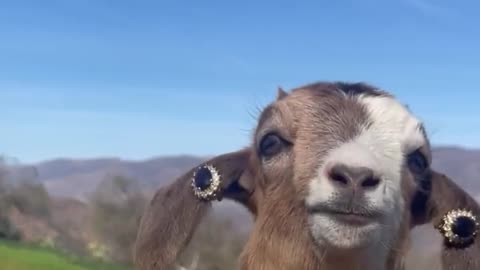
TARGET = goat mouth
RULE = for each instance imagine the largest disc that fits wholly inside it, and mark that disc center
(349, 217)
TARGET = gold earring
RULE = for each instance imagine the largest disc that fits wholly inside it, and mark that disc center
(206, 182)
(459, 227)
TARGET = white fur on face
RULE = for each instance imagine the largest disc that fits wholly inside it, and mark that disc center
(382, 147)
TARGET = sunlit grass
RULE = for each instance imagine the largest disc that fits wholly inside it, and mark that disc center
(19, 257)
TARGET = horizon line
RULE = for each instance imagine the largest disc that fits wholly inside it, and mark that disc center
(18, 161)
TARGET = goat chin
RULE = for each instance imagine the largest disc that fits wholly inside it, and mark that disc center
(338, 236)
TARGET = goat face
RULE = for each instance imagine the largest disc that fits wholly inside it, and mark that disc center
(340, 169)
(351, 154)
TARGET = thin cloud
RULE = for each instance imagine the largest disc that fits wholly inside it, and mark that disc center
(430, 8)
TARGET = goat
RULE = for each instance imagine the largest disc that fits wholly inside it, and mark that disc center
(336, 176)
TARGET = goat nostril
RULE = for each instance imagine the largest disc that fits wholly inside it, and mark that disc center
(338, 177)
(370, 182)
(352, 176)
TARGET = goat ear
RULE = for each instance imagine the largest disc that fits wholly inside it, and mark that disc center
(446, 195)
(171, 217)
(281, 93)
(446, 201)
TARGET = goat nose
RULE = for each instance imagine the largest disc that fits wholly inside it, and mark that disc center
(348, 176)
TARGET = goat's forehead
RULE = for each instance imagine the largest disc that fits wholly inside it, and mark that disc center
(344, 115)
(391, 120)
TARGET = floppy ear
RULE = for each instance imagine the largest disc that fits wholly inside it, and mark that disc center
(455, 214)
(175, 211)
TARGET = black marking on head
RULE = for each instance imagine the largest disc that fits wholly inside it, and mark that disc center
(351, 89)
(359, 88)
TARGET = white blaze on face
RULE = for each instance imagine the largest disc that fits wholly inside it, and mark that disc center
(393, 132)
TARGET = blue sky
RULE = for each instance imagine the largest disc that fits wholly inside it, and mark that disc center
(136, 79)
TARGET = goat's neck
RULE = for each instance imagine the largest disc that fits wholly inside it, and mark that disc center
(371, 258)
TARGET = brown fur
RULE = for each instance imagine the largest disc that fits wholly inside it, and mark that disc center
(317, 117)
(174, 212)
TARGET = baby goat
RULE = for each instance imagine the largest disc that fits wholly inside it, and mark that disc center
(336, 177)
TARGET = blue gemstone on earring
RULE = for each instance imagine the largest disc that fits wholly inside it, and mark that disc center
(203, 178)
(464, 226)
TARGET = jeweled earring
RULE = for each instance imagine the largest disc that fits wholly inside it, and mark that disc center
(206, 182)
(459, 228)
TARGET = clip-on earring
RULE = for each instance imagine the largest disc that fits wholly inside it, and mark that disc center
(459, 227)
(206, 182)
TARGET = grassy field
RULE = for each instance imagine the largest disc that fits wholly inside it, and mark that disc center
(14, 256)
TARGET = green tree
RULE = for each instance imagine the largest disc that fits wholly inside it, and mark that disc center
(6, 228)
(30, 198)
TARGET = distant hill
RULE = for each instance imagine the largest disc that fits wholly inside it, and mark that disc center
(462, 165)
(77, 178)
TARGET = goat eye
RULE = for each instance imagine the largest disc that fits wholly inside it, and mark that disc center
(271, 144)
(417, 162)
